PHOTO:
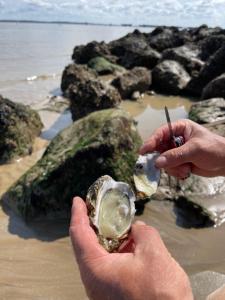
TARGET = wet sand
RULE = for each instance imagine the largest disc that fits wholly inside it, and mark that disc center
(37, 261)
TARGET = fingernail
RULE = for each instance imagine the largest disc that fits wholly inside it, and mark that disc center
(161, 162)
(75, 201)
(140, 223)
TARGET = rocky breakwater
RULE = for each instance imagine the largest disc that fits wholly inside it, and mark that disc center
(19, 125)
(104, 142)
(180, 61)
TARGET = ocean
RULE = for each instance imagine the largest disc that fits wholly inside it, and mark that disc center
(33, 56)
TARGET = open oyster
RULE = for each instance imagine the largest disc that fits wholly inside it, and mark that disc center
(146, 175)
(111, 210)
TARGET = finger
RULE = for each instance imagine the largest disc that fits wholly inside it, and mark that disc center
(147, 240)
(176, 157)
(161, 138)
(181, 172)
(84, 239)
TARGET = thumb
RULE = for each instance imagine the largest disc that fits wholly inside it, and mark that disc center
(175, 157)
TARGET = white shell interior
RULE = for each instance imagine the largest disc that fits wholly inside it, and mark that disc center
(115, 209)
(146, 175)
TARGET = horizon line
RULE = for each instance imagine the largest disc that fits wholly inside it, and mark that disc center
(74, 23)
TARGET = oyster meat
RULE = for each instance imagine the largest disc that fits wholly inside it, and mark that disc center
(146, 175)
(111, 210)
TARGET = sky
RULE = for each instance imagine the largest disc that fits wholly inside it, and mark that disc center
(151, 12)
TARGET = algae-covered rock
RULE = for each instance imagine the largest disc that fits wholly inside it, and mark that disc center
(207, 111)
(92, 95)
(103, 67)
(19, 125)
(105, 142)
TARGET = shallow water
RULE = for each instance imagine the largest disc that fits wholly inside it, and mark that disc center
(149, 111)
(37, 260)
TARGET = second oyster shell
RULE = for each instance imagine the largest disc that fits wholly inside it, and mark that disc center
(146, 175)
(111, 210)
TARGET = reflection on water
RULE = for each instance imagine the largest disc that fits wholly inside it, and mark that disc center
(149, 111)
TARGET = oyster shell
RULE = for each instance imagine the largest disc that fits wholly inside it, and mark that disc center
(146, 175)
(111, 210)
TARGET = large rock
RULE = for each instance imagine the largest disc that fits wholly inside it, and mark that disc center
(169, 77)
(19, 125)
(74, 74)
(104, 142)
(138, 79)
(210, 45)
(90, 96)
(187, 56)
(103, 67)
(82, 54)
(163, 38)
(214, 67)
(208, 111)
(134, 50)
(215, 88)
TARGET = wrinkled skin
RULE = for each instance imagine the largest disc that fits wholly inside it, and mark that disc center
(202, 154)
(144, 269)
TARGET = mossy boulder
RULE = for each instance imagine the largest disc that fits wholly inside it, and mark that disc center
(105, 142)
(19, 125)
(103, 67)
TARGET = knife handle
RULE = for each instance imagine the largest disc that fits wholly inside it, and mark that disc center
(178, 141)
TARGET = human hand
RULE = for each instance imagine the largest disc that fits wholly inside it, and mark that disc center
(202, 154)
(146, 271)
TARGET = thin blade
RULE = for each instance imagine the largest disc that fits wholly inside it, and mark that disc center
(169, 122)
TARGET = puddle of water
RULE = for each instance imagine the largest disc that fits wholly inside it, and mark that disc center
(149, 111)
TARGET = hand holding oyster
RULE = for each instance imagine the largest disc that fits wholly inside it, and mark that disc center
(111, 205)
